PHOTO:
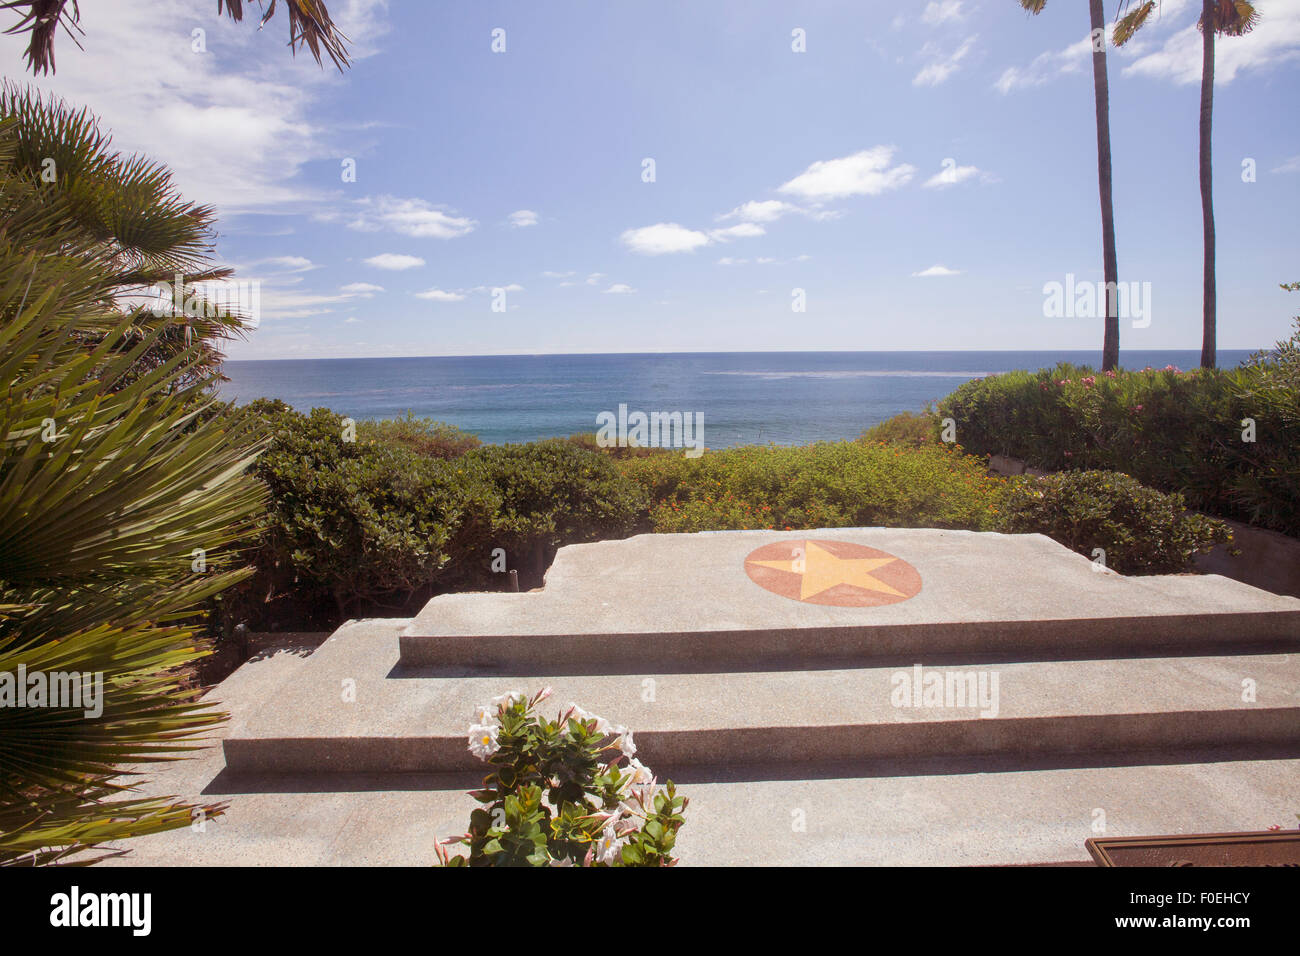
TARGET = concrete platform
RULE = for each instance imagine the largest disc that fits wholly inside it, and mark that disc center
(403, 720)
(685, 602)
(1122, 706)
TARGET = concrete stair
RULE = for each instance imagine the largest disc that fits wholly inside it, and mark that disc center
(1183, 691)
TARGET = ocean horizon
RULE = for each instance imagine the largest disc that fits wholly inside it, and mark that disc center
(786, 398)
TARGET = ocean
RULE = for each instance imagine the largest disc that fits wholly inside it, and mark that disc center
(788, 398)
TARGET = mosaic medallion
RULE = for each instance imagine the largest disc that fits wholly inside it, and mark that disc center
(832, 572)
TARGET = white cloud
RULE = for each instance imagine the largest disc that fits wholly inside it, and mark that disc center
(234, 123)
(1046, 66)
(867, 173)
(620, 288)
(951, 176)
(936, 271)
(394, 262)
(663, 238)
(941, 66)
(351, 320)
(765, 210)
(1292, 165)
(410, 217)
(730, 261)
(1275, 40)
(440, 295)
(742, 230)
(558, 275)
(278, 302)
(290, 263)
(595, 277)
(522, 217)
(941, 11)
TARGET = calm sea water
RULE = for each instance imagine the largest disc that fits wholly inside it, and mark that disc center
(745, 397)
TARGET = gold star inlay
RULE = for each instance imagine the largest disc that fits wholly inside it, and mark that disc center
(821, 571)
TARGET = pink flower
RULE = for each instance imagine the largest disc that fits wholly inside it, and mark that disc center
(1110, 373)
(1089, 380)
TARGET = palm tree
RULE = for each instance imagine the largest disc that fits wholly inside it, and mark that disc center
(1230, 18)
(1101, 96)
(309, 23)
(107, 487)
(131, 208)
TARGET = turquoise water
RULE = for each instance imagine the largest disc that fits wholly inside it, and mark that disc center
(744, 397)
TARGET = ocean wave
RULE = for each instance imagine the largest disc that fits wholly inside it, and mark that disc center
(857, 373)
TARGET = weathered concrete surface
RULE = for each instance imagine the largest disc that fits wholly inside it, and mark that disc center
(791, 755)
(928, 812)
(652, 600)
(402, 720)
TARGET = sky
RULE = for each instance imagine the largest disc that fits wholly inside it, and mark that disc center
(706, 175)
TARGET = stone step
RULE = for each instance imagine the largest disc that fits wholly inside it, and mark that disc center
(679, 603)
(897, 816)
(407, 720)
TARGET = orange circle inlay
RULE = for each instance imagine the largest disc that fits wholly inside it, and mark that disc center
(832, 572)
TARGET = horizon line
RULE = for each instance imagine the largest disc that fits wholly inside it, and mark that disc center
(835, 351)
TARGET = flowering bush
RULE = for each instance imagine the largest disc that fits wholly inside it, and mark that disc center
(1178, 431)
(557, 795)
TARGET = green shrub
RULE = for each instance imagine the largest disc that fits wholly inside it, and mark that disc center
(394, 516)
(362, 520)
(1266, 475)
(829, 484)
(556, 795)
(588, 441)
(910, 429)
(1175, 431)
(423, 436)
(1141, 530)
(553, 493)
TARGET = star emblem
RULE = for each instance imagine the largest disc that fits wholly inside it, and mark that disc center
(833, 572)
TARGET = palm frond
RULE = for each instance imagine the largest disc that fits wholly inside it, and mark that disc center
(309, 23)
(1129, 24)
(116, 464)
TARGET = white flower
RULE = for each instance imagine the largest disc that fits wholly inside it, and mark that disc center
(483, 740)
(502, 701)
(641, 774)
(485, 715)
(626, 744)
(609, 845)
(639, 785)
(603, 726)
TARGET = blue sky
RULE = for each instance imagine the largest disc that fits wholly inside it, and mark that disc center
(775, 170)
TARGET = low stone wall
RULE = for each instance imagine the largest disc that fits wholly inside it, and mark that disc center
(1266, 559)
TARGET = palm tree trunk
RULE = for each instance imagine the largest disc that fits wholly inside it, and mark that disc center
(1208, 317)
(1110, 339)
